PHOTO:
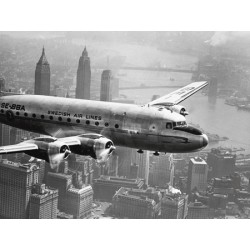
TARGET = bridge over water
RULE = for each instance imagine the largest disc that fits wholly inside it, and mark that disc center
(159, 69)
(151, 87)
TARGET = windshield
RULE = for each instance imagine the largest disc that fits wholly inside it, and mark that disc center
(170, 125)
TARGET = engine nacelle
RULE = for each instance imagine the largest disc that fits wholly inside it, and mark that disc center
(53, 152)
(57, 152)
(96, 146)
(179, 109)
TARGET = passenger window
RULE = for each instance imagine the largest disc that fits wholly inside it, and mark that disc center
(174, 124)
(169, 125)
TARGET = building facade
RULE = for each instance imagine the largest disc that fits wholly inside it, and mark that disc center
(106, 186)
(16, 181)
(136, 203)
(197, 174)
(222, 163)
(174, 206)
(83, 77)
(43, 202)
(42, 76)
(79, 202)
(106, 88)
(197, 210)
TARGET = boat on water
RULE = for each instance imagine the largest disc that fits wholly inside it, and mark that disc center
(244, 106)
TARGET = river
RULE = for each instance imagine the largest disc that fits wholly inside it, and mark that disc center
(217, 118)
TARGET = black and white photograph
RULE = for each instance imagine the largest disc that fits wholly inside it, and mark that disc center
(106, 124)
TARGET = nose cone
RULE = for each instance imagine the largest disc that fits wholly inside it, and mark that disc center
(204, 140)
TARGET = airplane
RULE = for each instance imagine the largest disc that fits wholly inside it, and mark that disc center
(93, 128)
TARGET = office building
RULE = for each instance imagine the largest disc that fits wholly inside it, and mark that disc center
(142, 160)
(83, 77)
(159, 173)
(106, 186)
(221, 162)
(115, 87)
(223, 186)
(106, 87)
(197, 210)
(43, 202)
(79, 202)
(2, 83)
(124, 160)
(174, 206)
(136, 203)
(5, 136)
(218, 201)
(16, 181)
(42, 76)
(71, 200)
(197, 175)
(62, 182)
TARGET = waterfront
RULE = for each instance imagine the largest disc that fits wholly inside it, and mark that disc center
(214, 117)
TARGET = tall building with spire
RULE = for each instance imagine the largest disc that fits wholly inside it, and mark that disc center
(42, 76)
(83, 77)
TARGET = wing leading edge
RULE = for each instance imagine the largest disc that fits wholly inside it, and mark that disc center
(179, 95)
(18, 148)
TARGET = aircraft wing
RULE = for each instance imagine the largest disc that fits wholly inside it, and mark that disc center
(18, 148)
(179, 95)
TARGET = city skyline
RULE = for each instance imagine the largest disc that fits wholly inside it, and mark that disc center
(114, 76)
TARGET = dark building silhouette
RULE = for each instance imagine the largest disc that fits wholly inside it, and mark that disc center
(42, 76)
(223, 186)
(62, 182)
(106, 87)
(16, 181)
(222, 163)
(137, 203)
(212, 87)
(83, 77)
(43, 202)
(197, 210)
(2, 84)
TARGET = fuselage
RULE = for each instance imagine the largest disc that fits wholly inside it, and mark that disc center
(142, 127)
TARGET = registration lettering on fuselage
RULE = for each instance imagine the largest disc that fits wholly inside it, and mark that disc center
(13, 106)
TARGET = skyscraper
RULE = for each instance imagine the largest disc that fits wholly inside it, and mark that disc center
(2, 84)
(42, 76)
(43, 203)
(159, 173)
(142, 160)
(106, 88)
(197, 174)
(16, 181)
(221, 162)
(83, 77)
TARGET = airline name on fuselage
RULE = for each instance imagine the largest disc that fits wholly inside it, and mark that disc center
(12, 106)
(65, 113)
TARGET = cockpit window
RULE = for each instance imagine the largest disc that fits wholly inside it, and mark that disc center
(169, 125)
(181, 123)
